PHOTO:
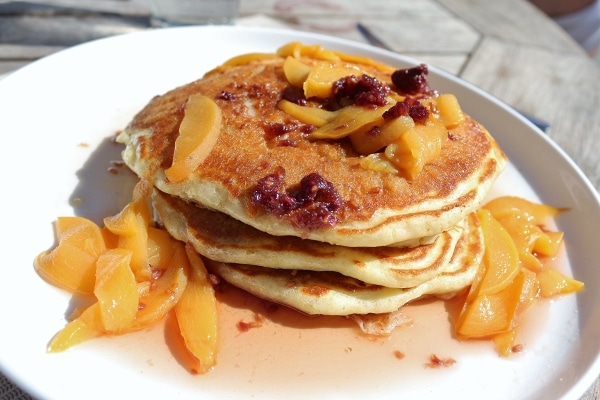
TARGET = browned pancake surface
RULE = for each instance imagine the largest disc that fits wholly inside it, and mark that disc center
(252, 145)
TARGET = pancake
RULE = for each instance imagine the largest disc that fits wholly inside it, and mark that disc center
(330, 293)
(259, 142)
(221, 238)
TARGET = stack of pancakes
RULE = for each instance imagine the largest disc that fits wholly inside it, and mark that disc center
(365, 241)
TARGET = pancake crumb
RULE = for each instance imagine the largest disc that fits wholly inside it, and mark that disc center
(436, 362)
(244, 326)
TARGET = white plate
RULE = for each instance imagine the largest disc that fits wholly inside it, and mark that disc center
(56, 117)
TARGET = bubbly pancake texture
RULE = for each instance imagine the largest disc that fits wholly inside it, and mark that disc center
(221, 238)
(330, 293)
(257, 140)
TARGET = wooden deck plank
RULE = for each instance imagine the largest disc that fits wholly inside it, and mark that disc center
(511, 20)
(564, 91)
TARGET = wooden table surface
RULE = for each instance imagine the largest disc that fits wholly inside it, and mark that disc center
(507, 48)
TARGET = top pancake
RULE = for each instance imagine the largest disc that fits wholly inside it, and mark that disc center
(377, 209)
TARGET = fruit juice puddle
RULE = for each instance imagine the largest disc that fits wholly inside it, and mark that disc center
(287, 353)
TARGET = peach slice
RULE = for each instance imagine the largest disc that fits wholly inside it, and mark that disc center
(504, 342)
(138, 245)
(81, 232)
(350, 120)
(530, 261)
(161, 247)
(501, 256)
(319, 81)
(416, 147)
(116, 290)
(491, 314)
(163, 293)
(535, 213)
(298, 49)
(525, 235)
(67, 267)
(307, 115)
(130, 226)
(501, 289)
(369, 142)
(110, 239)
(554, 283)
(85, 327)
(124, 222)
(377, 162)
(548, 243)
(71, 265)
(196, 314)
(449, 110)
(198, 133)
(529, 292)
(248, 58)
(295, 71)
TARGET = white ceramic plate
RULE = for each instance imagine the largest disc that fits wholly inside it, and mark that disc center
(56, 117)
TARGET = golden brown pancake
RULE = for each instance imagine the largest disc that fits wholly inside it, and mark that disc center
(221, 238)
(258, 141)
(330, 293)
